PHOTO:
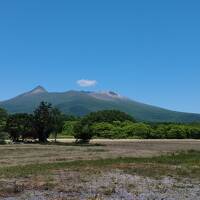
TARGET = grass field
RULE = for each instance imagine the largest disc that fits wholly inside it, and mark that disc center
(105, 169)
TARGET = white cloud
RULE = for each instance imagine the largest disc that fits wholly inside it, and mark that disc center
(86, 83)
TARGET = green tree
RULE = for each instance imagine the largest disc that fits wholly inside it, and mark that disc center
(58, 121)
(43, 121)
(159, 131)
(68, 128)
(47, 120)
(103, 130)
(19, 126)
(3, 119)
(176, 132)
(194, 132)
(83, 130)
(139, 130)
(109, 116)
(3, 136)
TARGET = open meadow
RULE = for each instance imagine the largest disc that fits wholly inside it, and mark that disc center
(103, 169)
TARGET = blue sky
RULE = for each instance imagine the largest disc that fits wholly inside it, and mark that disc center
(146, 50)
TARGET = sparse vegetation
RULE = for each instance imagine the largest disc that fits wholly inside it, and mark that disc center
(187, 163)
(68, 168)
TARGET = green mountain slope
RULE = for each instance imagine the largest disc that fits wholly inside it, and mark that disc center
(80, 103)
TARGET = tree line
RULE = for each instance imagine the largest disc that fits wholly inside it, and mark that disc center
(114, 124)
(44, 121)
(47, 120)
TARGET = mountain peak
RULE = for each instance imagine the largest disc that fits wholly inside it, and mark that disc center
(38, 89)
(107, 95)
(113, 93)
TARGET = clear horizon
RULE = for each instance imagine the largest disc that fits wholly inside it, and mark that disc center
(147, 51)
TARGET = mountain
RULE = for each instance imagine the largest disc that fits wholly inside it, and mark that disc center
(82, 102)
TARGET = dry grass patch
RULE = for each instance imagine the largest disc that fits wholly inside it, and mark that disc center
(23, 154)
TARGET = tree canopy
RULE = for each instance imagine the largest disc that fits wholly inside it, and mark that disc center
(107, 116)
(20, 126)
(112, 124)
(3, 119)
(83, 129)
(47, 120)
(39, 125)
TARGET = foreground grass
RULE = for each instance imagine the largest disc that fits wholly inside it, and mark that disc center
(182, 163)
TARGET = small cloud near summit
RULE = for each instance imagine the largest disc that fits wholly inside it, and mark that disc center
(86, 83)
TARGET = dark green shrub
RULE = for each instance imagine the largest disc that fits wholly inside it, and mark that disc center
(176, 132)
(82, 132)
(3, 137)
(3, 119)
(158, 132)
(20, 126)
(194, 132)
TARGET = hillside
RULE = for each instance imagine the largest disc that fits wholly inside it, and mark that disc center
(80, 103)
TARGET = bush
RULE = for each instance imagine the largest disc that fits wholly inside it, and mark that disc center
(102, 130)
(159, 132)
(176, 132)
(82, 132)
(194, 132)
(108, 130)
(139, 130)
(121, 130)
(87, 129)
